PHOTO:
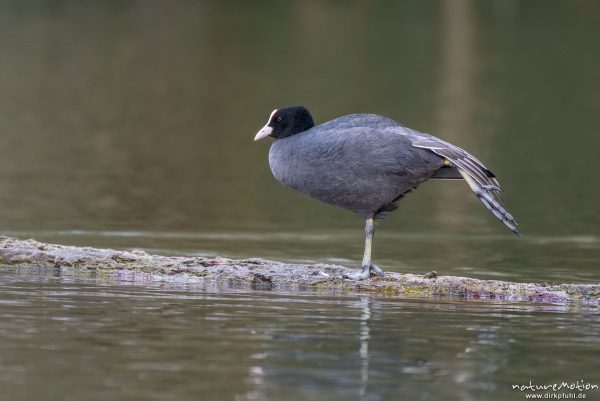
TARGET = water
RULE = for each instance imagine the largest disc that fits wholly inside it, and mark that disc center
(118, 340)
(130, 125)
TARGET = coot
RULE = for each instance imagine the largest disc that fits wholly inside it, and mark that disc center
(366, 163)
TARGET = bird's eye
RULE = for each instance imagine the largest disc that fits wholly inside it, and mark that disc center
(279, 119)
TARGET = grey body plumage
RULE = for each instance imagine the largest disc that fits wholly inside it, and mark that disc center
(360, 162)
(365, 163)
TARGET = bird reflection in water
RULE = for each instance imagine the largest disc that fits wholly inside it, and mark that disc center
(365, 335)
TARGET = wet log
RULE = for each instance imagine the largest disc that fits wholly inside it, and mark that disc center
(266, 274)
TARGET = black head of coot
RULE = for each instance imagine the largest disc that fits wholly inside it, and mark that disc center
(286, 122)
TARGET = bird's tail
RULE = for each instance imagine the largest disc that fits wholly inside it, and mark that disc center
(485, 193)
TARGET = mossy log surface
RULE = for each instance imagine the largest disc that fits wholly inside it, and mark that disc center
(260, 273)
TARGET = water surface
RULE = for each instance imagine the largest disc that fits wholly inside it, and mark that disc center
(78, 338)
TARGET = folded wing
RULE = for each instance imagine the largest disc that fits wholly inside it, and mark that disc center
(482, 181)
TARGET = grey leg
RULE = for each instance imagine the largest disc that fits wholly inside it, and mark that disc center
(367, 266)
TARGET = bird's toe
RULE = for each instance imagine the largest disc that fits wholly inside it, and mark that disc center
(363, 274)
(377, 271)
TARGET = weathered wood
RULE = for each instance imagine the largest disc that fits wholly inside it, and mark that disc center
(276, 275)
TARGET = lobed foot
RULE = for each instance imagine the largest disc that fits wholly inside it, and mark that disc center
(365, 272)
(377, 271)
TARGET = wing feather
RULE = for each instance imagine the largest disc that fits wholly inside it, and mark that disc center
(482, 181)
(459, 157)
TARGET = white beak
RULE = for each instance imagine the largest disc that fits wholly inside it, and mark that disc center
(263, 133)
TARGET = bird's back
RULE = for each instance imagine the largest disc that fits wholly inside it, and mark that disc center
(360, 162)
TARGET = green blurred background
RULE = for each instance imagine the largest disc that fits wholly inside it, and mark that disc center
(130, 124)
